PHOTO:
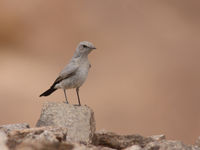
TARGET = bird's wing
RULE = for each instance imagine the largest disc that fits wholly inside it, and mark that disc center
(67, 72)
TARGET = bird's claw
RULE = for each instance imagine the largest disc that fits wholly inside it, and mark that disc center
(65, 102)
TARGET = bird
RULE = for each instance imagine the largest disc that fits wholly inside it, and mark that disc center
(74, 73)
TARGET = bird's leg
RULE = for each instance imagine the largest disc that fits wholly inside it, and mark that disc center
(77, 92)
(65, 96)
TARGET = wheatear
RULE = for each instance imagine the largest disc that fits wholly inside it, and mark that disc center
(75, 73)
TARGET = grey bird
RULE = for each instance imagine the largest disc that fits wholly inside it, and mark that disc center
(75, 73)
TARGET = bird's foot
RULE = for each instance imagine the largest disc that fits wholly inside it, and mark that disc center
(66, 102)
(77, 105)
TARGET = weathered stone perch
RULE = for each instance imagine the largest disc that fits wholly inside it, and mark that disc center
(54, 138)
(68, 127)
(78, 120)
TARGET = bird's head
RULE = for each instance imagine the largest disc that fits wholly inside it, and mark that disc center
(85, 48)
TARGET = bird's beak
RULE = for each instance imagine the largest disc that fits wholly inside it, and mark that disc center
(94, 48)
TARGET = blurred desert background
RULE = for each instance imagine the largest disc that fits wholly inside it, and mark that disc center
(145, 74)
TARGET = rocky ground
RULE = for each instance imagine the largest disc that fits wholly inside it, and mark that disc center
(68, 127)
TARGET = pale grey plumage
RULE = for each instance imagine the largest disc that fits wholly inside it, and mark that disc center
(75, 73)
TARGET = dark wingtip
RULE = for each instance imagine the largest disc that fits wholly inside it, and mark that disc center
(48, 92)
(43, 94)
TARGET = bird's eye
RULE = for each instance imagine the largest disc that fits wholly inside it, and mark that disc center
(84, 46)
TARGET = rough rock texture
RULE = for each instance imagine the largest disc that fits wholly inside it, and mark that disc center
(198, 141)
(54, 138)
(44, 146)
(137, 142)
(10, 127)
(67, 127)
(158, 137)
(169, 145)
(36, 135)
(113, 140)
(58, 146)
(3, 140)
(79, 120)
(134, 147)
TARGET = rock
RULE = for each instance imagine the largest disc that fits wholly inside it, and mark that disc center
(10, 127)
(158, 137)
(134, 147)
(58, 146)
(168, 145)
(3, 140)
(79, 120)
(55, 138)
(197, 143)
(194, 147)
(78, 146)
(45, 146)
(113, 140)
(37, 135)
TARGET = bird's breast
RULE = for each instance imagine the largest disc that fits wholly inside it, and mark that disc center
(82, 72)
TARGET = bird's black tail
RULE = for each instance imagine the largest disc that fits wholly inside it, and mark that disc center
(48, 92)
